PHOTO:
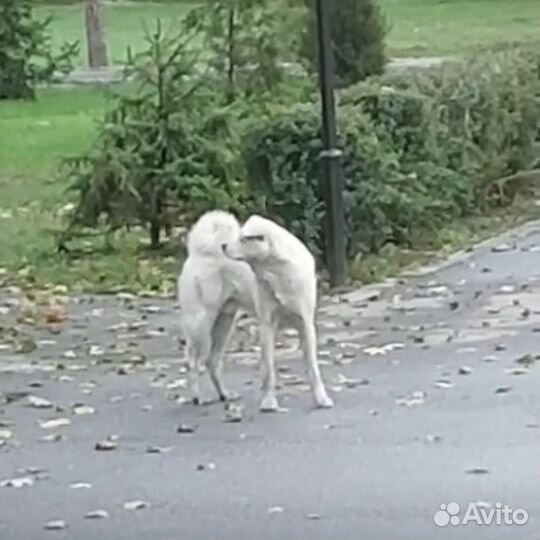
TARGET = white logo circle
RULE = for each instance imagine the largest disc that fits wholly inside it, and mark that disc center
(447, 515)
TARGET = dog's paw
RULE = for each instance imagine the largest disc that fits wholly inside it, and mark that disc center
(324, 401)
(269, 403)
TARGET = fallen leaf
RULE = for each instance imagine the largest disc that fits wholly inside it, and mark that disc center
(376, 351)
(97, 514)
(106, 445)
(55, 313)
(54, 423)
(39, 403)
(5, 434)
(526, 360)
(275, 510)
(518, 371)
(477, 470)
(25, 345)
(507, 289)
(351, 383)
(501, 248)
(158, 449)
(443, 383)
(416, 398)
(83, 410)
(53, 437)
(233, 413)
(55, 525)
(135, 505)
(186, 428)
(19, 482)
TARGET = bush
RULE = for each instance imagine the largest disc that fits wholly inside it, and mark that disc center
(26, 57)
(486, 115)
(358, 31)
(418, 151)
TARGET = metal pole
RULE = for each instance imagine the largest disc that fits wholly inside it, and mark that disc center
(330, 156)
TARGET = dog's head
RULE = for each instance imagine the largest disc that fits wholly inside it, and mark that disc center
(254, 243)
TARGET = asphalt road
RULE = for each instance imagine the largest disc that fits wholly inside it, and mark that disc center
(409, 432)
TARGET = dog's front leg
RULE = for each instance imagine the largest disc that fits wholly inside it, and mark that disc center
(269, 401)
(308, 337)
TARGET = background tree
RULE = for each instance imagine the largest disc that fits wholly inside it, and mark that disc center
(358, 30)
(163, 145)
(245, 41)
(26, 54)
(95, 34)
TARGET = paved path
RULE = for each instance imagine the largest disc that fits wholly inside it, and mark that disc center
(113, 74)
(409, 431)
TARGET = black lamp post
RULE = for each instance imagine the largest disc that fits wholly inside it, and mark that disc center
(332, 182)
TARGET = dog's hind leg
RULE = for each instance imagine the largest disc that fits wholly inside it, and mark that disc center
(199, 346)
(194, 356)
(308, 337)
(220, 337)
(269, 401)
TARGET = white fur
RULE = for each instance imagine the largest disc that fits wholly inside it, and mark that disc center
(211, 290)
(287, 289)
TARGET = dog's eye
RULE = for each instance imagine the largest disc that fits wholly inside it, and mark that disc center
(253, 238)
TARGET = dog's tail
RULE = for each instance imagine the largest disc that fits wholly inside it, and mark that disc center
(210, 232)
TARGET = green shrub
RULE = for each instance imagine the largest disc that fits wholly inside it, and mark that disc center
(26, 57)
(357, 30)
(486, 113)
(418, 150)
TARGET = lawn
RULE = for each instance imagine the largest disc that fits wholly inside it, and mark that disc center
(35, 136)
(417, 27)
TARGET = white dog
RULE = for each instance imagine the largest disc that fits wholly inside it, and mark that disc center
(287, 291)
(211, 290)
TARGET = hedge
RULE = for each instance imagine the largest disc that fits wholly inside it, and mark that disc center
(419, 149)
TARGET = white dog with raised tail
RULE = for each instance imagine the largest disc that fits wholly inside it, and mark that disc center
(287, 292)
(211, 290)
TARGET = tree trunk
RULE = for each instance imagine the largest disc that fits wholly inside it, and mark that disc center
(155, 234)
(95, 34)
(231, 59)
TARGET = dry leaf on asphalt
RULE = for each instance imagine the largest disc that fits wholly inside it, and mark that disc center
(55, 525)
(83, 410)
(135, 505)
(22, 481)
(54, 423)
(97, 514)
(39, 403)
(106, 445)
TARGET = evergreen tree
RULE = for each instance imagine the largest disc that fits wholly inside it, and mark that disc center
(26, 56)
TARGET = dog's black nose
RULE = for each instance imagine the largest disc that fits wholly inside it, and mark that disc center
(223, 247)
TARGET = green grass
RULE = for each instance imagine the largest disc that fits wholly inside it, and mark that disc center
(34, 136)
(125, 24)
(446, 27)
(417, 27)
